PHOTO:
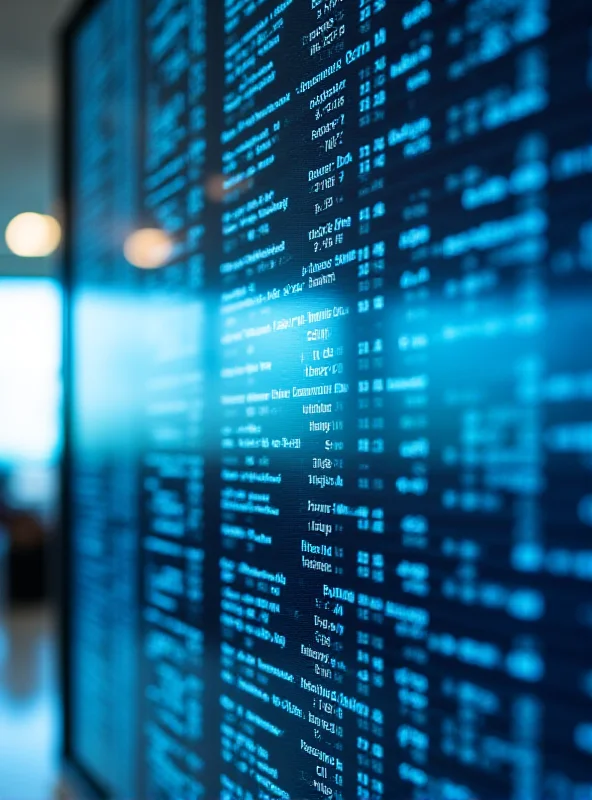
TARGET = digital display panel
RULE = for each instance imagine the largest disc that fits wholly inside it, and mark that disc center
(330, 438)
(103, 469)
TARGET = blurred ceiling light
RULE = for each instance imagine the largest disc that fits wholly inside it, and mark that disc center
(148, 248)
(31, 235)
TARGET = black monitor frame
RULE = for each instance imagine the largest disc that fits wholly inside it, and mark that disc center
(74, 773)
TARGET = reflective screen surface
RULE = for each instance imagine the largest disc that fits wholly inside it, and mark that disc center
(330, 423)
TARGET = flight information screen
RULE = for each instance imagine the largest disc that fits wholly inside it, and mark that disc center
(329, 475)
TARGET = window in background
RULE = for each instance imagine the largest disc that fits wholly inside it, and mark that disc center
(30, 389)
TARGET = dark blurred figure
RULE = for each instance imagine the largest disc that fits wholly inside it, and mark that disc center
(23, 550)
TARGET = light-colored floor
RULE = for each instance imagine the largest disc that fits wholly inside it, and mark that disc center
(29, 706)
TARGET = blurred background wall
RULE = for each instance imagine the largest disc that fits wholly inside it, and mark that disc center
(28, 116)
(30, 299)
(30, 393)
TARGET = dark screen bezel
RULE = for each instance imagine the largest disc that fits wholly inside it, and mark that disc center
(75, 773)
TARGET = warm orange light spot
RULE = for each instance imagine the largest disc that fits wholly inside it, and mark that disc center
(148, 248)
(31, 235)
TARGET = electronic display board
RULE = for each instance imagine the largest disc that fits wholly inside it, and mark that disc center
(328, 464)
